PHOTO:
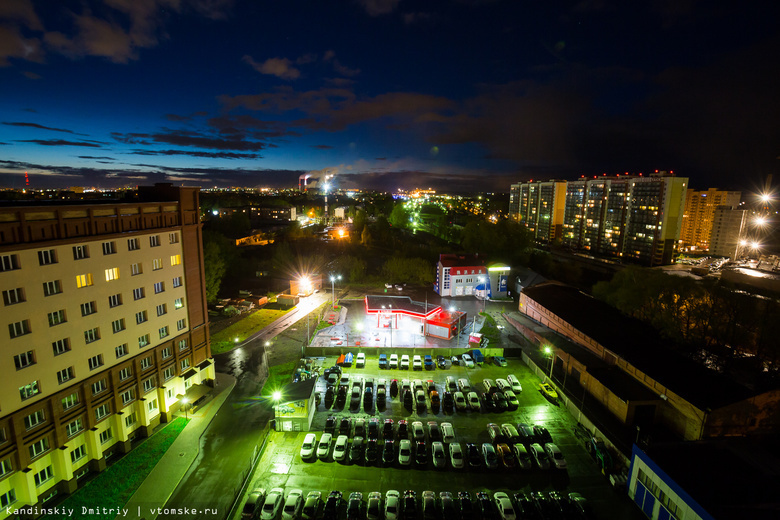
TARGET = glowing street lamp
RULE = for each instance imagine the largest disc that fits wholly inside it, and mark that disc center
(333, 279)
(184, 403)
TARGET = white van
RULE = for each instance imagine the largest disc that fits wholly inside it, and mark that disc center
(307, 449)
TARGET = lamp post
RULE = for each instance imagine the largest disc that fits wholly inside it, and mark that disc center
(184, 403)
(548, 350)
(333, 279)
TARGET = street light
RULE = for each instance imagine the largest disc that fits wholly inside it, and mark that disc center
(548, 351)
(184, 403)
(333, 279)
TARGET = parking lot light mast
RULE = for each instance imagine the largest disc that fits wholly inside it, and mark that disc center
(333, 279)
(549, 352)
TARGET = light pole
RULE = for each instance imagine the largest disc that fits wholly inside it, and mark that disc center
(333, 279)
(548, 350)
(184, 403)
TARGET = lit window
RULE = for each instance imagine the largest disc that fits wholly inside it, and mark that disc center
(178, 303)
(70, 401)
(143, 341)
(29, 390)
(83, 280)
(157, 264)
(112, 274)
(175, 260)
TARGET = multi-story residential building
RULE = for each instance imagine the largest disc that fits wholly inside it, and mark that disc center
(699, 215)
(104, 330)
(623, 217)
(540, 206)
(728, 230)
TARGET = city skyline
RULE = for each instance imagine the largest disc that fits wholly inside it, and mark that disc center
(460, 96)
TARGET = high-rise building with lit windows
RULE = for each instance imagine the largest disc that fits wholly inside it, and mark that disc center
(699, 215)
(636, 218)
(104, 331)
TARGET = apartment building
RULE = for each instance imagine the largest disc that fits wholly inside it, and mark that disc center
(728, 231)
(104, 332)
(623, 217)
(699, 215)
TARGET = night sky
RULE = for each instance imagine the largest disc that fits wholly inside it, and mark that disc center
(457, 95)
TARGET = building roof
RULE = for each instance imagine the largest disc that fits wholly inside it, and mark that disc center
(639, 344)
(746, 469)
(300, 391)
(455, 260)
(402, 304)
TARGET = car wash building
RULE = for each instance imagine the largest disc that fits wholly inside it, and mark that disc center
(424, 319)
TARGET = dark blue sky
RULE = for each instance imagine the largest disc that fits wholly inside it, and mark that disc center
(457, 95)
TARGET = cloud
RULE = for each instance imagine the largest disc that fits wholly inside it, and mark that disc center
(31, 75)
(378, 7)
(279, 67)
(412, 18)
(322, 147)
(209, 155)
(41, 127)
(188, 138)
(95, 157)
(14, 45)
(330, 57)
(59, 142)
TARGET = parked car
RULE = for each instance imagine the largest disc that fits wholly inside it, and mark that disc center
(340, 448)
(292, 504)
(510, 433)
(388, 452)
(434, 433)
(403, 429)
(253, 503)
(555, 455)
(428, 363)
(542, 434)
(417, 363)
(354, 505)
(392, 503)
(435, 401)
(360, 428)
(489, 454)
(514, 383)
(382, 361)
(421, 453)
(441, 362)
(485, 505)
(506, 456)
(500, 361)
(404, 452)
(465, 505)
(345, 426)
(456, 455)
(464, 386)
(332, 503)
(360, 360)
(393, 363)
(374, 506)
(447, 432)
(539, 455)
(460, 401)
(526, 433)
(357, 450)
(429, 504)
(473, 401)
(522, 456)
(323, 448)
(495, 433)
(454, 360)
(394, 388)
(474, 456)
(419, 399)
(579, 504)
(272, 504)
(410, 504)
(311, 506)
(405, 362)
(447, 505)
(437, 452)
(418, 433)
(307, 448)
(467, 361)
(511, 400)
(387, 429)
(504, 506)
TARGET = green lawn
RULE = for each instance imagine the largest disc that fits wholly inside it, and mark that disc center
(225, 339)
(115, 486)
(278, 376)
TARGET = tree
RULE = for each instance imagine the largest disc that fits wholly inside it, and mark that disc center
(215, 267)
(399, 217)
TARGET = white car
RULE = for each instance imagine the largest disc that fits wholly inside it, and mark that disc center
(307, 448)
(292, 505)
(417, 363)
(323, 448)
(418, 433)
(456, 455)
(405, 362)
(393, 363)
(503, 384)
(555, 455)
(437, 452)
(511, 400)
(467, 361)
(360, 360)
(473, 400)
(340, 448)
(447, 432)
(273, 501)
(504, 506)
(514, 383)
(460, 401)
(392, 501)
(312, 505)
(405, 452)
(464, 386)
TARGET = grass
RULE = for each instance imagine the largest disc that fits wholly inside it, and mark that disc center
(278, 376)
(225, 339)
(114, 486)
(490, 330)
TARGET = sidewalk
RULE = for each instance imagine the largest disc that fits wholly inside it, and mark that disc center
(162, 481)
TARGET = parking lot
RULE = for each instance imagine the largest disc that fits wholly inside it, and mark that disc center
(281, 464)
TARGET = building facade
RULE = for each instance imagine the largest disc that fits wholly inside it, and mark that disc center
(623, 217)
(728, 230)
(459, 275)
(699, 215)
(104, 331)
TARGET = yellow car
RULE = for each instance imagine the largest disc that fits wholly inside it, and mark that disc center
(548, 390)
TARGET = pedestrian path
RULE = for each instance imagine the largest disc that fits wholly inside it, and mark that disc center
(162, 481)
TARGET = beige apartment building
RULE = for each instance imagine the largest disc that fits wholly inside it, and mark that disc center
(104, 332)
(699, 215)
